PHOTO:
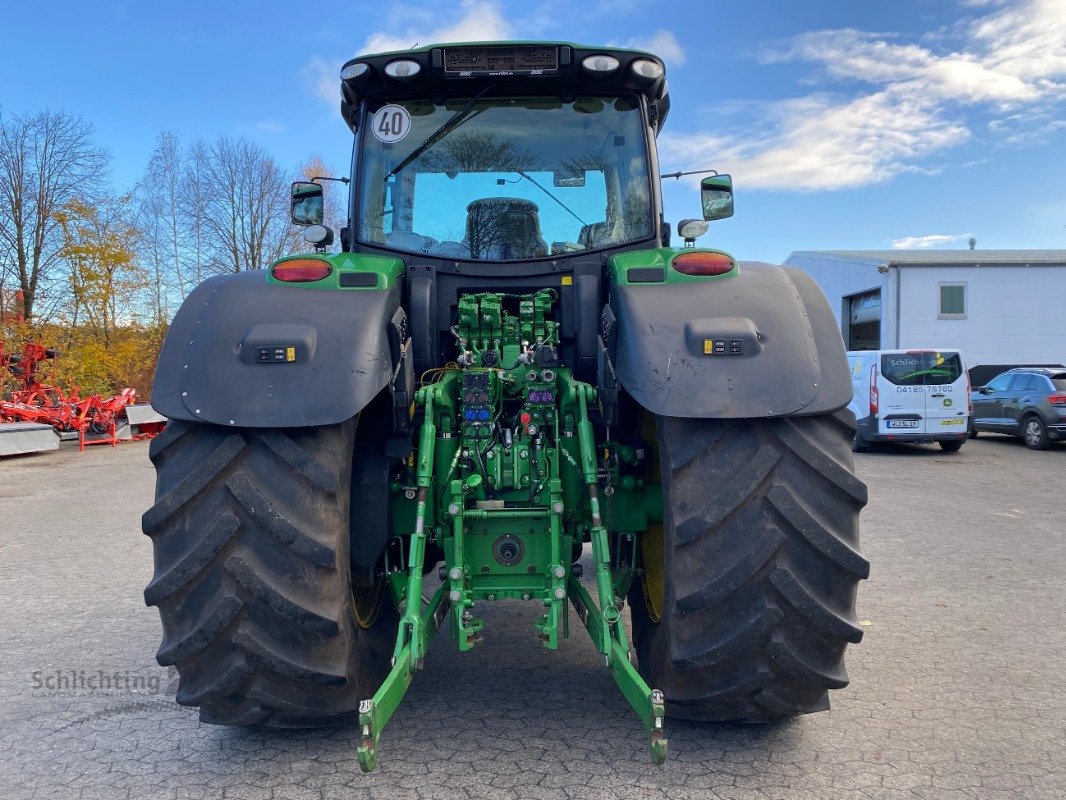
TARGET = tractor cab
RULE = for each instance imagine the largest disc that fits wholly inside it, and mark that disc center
(502, 168)
(504, 154)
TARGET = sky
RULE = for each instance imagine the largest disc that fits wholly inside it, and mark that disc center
(845, 125)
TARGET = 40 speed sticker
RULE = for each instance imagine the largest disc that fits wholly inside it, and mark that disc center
(391, 123)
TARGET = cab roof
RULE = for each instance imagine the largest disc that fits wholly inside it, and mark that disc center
(465, 68)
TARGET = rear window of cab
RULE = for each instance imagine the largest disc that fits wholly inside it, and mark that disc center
(925, 368)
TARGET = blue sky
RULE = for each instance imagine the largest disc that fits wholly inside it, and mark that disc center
(845, 124)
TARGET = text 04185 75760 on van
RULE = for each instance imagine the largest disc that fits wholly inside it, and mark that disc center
(916, 396)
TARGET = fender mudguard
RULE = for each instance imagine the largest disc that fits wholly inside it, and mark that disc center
(760, 343)
(247, 353)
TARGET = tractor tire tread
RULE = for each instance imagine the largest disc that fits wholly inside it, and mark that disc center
(250, 532)
(194, 562)
(762, 564)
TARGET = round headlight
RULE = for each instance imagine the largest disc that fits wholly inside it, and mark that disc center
(353, 71)
(648, 69)
(601, 63)
(403, 69)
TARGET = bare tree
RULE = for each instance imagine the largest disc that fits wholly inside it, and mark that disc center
(194, 193)
(163, 223)
(46, 160)
(244, 206)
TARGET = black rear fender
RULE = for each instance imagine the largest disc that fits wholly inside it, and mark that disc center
(758, 344)
(246, 353)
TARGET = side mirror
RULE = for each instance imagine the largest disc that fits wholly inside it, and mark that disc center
(716, 195)
(307, 203)
(985, 390)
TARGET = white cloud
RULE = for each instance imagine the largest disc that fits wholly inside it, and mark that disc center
(321, 77)
(863, 56)
(1026, 128)
(1012, 60)
(925, 242)
(821, 142)
(480, 20)
(663, 44)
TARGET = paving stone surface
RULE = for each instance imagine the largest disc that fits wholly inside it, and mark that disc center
(958, 690)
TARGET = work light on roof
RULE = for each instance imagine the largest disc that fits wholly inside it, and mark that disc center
(403, 69)
(601, 63)
(648, 69)
(353, 71)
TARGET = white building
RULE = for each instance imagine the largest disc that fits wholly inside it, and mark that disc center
(1001, 308)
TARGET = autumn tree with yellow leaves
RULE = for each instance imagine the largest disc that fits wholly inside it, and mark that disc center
(98, 275)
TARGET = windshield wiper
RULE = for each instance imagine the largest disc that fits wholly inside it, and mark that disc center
(450, 124)
(553, 197)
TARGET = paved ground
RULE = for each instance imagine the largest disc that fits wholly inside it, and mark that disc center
(958, 690)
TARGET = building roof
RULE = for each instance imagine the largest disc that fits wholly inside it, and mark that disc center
(936, 258)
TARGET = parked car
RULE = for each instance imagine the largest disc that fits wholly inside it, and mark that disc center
(915, 396)
(1029, 402)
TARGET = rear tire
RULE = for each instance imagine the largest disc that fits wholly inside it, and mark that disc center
(951, 447)
(1034, 432)
(252, 578)
(760, 548)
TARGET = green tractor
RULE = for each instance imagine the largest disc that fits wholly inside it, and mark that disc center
(505, 386)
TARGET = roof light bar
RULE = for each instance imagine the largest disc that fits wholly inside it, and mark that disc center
(353, 71)
(647, 69)
(601, 63)
(403, 69)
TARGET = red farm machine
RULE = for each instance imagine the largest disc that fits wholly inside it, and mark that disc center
(37, 400)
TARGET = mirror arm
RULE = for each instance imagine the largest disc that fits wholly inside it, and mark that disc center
(328, 178)
(680, 175)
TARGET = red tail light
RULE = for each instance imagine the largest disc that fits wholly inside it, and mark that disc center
(700, 263)
(301, 270)
(969, 396)
(1057, 399)
(873, 390)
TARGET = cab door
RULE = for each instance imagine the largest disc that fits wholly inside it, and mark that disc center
(947, 393)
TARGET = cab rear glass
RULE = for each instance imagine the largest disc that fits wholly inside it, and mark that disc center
(921, 369)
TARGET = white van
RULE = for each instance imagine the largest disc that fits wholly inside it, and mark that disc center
(910, 396)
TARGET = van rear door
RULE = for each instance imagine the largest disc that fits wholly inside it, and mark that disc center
(902, 390)
(947, 398)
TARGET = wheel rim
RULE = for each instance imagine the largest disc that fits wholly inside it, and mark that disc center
(652, 547)
(654, 577)
(1033, 434)
(366, 603)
